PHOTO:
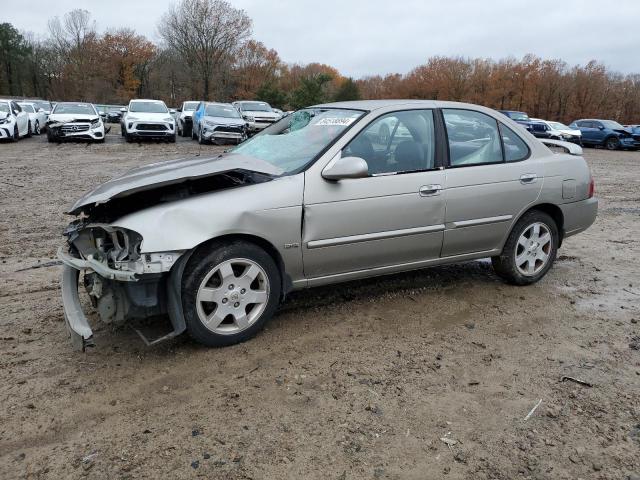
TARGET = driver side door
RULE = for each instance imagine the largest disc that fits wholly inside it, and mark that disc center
(393, 217)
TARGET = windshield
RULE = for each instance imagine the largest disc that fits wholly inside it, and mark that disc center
(189, 106)
(148, 107)
(295, 141)
(613, 125)
(4, 107)
(75, 108)
(221, 111)
(255, 107)
(559, 126)
(519, 116)
(27, 107)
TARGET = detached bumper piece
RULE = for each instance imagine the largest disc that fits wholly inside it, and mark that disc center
(77, 324)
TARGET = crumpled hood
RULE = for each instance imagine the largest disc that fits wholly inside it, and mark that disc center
(71, 117)
(170, 172)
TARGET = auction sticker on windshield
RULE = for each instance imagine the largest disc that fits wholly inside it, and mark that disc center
(333, 121)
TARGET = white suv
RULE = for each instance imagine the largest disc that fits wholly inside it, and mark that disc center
(185, 118)
(148, 119)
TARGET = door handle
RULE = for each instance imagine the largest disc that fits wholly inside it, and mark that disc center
(528, 178)
(429, 190)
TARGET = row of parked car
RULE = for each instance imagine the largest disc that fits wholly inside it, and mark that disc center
(216, 122)
(205, 121)
(587, 131)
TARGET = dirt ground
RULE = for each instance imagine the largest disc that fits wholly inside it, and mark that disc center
(360, 380)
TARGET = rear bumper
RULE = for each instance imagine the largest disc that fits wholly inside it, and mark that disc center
(578, 216)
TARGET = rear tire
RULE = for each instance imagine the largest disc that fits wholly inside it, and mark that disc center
(28, 135)
(218, 285)
(526, 257)
(36, 128)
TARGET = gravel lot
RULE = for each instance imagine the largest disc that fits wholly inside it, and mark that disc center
(360, 380)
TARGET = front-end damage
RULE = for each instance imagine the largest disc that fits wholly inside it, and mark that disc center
(122, 283)
(123, 280)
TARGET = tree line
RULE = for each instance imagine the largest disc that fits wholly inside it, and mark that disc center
(207, 52)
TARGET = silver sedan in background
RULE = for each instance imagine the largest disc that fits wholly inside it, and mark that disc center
(318, 198)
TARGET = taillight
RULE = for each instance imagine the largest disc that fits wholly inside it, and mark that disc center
(592, 188)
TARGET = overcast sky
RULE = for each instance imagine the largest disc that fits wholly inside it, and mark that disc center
(364, 37)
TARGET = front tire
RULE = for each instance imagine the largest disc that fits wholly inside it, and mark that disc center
(229, 292)
(28, 135)
(612, 143)
(16, 133)
(36, 128)
(530, 250)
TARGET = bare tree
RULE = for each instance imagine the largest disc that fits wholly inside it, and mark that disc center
(206, 33)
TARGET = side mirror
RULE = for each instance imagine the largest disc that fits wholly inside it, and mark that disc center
(172, 111)
(101, 113)
(345, 167)
(600, 127)
(123, 110)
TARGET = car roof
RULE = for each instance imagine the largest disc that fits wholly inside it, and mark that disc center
(145, 100)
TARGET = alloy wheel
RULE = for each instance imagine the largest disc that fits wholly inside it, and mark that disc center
(533, 249)
(232, 296)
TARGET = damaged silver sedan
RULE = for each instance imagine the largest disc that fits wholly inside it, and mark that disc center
(320, 197)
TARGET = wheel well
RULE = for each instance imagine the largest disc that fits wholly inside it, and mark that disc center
(554, 212)
(262, 243)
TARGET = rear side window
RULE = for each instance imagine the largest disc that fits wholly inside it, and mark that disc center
(514, 147)
(473, 137)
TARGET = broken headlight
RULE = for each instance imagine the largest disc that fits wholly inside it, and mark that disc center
(104, 243)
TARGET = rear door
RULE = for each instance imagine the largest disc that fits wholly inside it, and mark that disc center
(22, 118)
(395, 216)
(590, 133)
(489, 180)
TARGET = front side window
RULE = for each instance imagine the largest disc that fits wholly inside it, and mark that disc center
(398, 142)
(4, 108)
(612, 125)
(295, 141)
(515, 149)
(28, 108)
(473, 138)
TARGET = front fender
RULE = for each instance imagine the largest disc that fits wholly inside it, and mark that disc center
(271, 211)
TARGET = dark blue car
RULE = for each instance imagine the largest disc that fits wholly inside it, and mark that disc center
(521, 117)
(537, 128)
(606, 133)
